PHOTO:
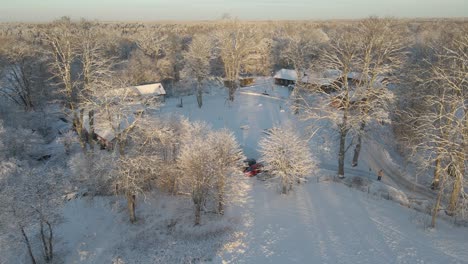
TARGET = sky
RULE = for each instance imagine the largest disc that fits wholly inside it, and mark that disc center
(182, 10)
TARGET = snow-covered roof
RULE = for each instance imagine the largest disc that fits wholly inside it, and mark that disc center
(324, 78)
(286, 74)
(105, 129)
(149, 89)
(327, 77)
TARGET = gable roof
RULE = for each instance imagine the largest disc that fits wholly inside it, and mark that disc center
(286, 74)
(149, 89)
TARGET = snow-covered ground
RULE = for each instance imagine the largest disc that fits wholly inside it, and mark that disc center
(319, 222)
(323, 222)
(330, 223)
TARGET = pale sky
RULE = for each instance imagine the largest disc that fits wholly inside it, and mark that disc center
(154, 10)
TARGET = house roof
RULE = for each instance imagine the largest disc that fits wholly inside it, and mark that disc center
(105, 129)
(149, 89)
(286, 74)
(324, 78)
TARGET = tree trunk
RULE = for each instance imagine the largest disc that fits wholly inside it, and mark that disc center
(341, 153)
(131, 203)
(357, 149)
(172, 177)
(44, 243)
(91, 130)
(436, 179)
(435, 210)
(454, 171)
(47, 241)
(79, 130)
(28, 244)
(197, 212)
(232, 86)
(284, 186)
(121, 145)
(343, 134)
(221, 198)
(199, 94)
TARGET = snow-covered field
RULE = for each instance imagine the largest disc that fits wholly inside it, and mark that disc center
(319, 222)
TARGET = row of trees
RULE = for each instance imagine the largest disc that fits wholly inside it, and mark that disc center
(434, 115)
(73, 57)
(380, 70)
(372, 50)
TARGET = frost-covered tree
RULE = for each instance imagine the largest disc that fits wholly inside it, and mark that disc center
(61, 39)
(30, 198)
(197, 62)
(302, 46)
(199, 172)
(24, 74)
(380, 59)
(286, 156)
(434, 118)
(171, 131)
(208, 161)
(228, 159)
(235, 41)
(132, 175)
(357, 94)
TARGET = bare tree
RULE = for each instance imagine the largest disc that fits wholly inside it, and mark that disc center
(61, 39)
(95, 76)
(197, 62)
(302, 47)
(31, 197)
(24, 75)
(235, 42)
(146, 63)
(132, 174)
(359, 95)
(438, 120)
(380, 58)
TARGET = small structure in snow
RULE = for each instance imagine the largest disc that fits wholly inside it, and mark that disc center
(285, 77)
(246, 81)
(150, 92)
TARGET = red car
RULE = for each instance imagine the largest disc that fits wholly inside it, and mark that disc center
(253, 168)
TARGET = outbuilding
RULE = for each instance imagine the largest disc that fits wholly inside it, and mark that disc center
(285, 77)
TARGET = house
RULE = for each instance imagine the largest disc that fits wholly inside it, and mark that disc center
(106, 129)
(285, 77)
(326, 81)
(150, 93)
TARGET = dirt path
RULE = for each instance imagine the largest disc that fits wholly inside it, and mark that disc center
(378, 158)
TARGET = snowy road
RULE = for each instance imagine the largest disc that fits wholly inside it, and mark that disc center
(330, 223)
